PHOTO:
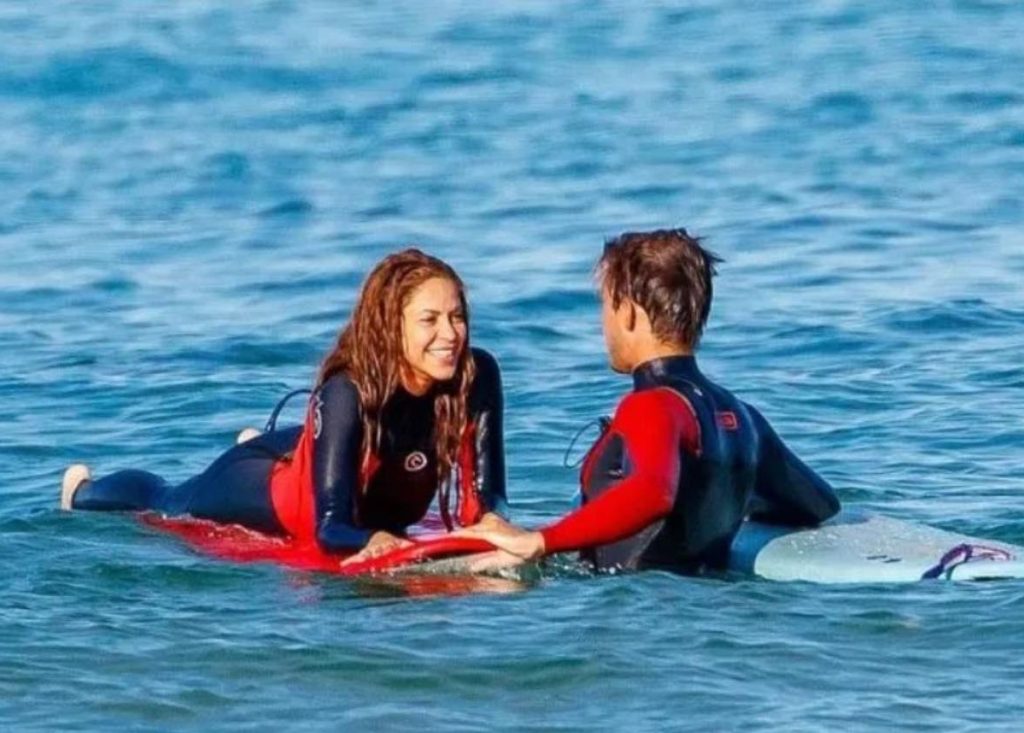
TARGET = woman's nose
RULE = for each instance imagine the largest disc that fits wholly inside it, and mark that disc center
(447, 329)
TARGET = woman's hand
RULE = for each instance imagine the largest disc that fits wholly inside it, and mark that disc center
(525, 544)
(380, 543)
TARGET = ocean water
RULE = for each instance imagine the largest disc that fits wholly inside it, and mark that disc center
(192, 193)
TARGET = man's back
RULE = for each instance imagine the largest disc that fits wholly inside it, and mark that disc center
(722, 453)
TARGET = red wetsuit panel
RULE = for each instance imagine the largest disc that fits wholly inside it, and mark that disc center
(291, 488)
(469, 508)
(655, 425)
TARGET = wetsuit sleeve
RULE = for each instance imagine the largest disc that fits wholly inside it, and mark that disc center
(487, 405)
(337, 444)
(787, 491)
(653, 424)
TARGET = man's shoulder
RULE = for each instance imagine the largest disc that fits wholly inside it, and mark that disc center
(653, 401)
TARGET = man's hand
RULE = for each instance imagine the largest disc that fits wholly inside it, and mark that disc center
(524, 544)
(381, 542)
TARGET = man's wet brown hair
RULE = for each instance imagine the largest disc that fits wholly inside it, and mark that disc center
(668, 274)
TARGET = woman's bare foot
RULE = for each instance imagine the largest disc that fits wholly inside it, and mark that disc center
(247, 434)
(75, 475)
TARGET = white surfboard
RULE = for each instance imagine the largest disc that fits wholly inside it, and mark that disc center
(858, 546)
(855, 546)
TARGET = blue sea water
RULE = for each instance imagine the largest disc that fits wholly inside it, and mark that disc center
(192, 193)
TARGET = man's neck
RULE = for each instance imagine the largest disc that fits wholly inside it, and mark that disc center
(660, 350)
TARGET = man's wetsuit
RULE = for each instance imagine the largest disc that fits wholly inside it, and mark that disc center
(311, 482)
(675, 472)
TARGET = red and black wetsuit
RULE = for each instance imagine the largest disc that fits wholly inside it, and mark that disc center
(674, 474)
(311, 482)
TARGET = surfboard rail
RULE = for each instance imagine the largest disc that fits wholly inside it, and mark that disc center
(238, 544)
(860, 546)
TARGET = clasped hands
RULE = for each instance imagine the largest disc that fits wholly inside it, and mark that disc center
(515, 545)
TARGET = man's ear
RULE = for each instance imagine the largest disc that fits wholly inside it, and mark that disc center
(631, 320)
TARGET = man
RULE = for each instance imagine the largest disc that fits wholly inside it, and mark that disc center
(676, 470)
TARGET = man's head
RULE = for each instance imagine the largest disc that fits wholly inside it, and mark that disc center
(656, 295)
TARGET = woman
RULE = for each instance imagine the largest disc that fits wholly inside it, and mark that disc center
(402, 411)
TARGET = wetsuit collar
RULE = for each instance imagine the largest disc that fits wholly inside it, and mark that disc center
(652, 373)
(402, 396)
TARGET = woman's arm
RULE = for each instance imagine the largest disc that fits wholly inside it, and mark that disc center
(487, 407)
(337, 452)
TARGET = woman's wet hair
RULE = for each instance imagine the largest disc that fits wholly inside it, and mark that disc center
(667, 273)
(369, 351)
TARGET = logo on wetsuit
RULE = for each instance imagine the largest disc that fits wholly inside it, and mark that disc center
(415, 461)
(318, 419)
(727, 420)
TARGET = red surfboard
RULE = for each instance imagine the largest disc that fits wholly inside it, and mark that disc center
(238, 544)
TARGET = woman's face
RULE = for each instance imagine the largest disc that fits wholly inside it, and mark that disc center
(433, 334)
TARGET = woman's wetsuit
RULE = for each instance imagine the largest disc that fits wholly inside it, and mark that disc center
(312, 483)
(677, 470)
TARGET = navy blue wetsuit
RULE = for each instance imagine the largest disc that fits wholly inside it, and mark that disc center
(676, 472)
(244, 485)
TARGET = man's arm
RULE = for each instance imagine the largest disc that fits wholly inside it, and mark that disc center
(653, 424)
(787, 490)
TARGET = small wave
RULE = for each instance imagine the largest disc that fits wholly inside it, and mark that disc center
(99, 73)
(964, 315)
(247, 352)
(552, 300)
(841, 109)
(291, 208)
(469, 77)
(227, 166)
(115, 284)
(984, 101)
